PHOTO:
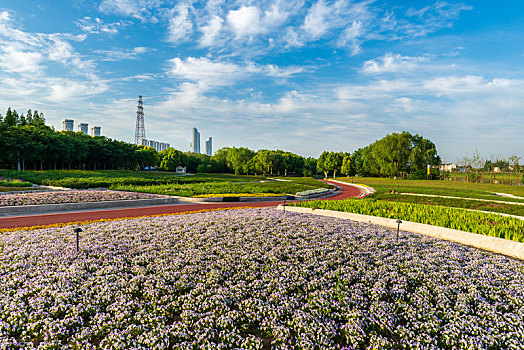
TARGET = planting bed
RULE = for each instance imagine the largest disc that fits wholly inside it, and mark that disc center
(253, 279)
(60, 197)
(454, 218)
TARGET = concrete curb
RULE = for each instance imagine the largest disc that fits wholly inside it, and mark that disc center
(493, 244)
(50, 208)
(364, 191)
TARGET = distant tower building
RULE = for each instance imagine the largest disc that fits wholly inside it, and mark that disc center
(158, 146)
(209, 146)
(95, 131)
(140, 131)
(68, 124)
(195, 145)
(83, 127)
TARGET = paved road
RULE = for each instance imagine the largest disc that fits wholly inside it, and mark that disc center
(56, 218)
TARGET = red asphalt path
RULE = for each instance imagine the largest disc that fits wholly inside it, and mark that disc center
(58, 218)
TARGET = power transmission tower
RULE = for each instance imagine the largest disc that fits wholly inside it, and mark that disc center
(140, 131)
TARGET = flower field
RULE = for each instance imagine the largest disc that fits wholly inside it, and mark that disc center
(59, 197)
(253, 279)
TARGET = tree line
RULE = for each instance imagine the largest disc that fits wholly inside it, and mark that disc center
(26, 142)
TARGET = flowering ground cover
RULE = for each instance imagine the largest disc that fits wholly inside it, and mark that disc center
(253, 279)
(59, 197)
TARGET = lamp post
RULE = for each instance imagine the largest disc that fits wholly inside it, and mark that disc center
(398, 227)
(77, 231)
(284, 205)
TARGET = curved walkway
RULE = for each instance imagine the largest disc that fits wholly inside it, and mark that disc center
(348, 191)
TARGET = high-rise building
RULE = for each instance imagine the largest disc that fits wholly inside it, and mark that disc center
(96, 131)
(209, 146)
(83, 127)
(68, 124)
(158, 146)
(195, 145)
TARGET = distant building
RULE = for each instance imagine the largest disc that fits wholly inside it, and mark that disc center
(180, 169)
(158, 146)
(83, 127)
(96, 131)
(448, 167)
(209, 146)
(195, 144)
(68, 124)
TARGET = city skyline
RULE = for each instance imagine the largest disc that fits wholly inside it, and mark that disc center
(302, 76)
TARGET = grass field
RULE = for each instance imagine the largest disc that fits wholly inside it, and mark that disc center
(81, 179)
(487, 177)
(167, 183)
(227, 188)
(450, 188)
(467, 193)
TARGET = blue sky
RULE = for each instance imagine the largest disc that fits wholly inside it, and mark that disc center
(302, 76)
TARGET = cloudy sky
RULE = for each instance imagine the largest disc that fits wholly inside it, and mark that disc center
(302, 76)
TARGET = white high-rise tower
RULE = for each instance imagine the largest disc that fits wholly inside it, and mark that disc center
(195, 145)
(209, 146)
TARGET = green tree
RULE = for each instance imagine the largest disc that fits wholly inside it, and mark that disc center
(346, 167)
(238, 158)
(10, 119)
(321, 163)
(333, 162)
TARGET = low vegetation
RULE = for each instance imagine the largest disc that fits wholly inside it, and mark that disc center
(226, 188)
(14, 183)
(169, 183)
(454, 218)
(439, 187)
(81, 179)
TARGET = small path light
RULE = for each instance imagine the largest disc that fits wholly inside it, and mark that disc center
(284, 205)
(77, 231)
(398, 227)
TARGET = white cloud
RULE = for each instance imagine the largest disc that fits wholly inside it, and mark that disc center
(249, 21)
(208, 74)
(46, 65)
(17, 61)
(392, 63)
(432, 18)
(211, 31)
(140, 9)
(180, 24)
(254, 28)
(117, 54)
(245, 21)
(96, 26)
(350, 36)
(315, 24)
(64, 90)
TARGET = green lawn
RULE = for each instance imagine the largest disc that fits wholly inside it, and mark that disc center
(168, 183)
(228, 188)
(447, 188)
(384, 187)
